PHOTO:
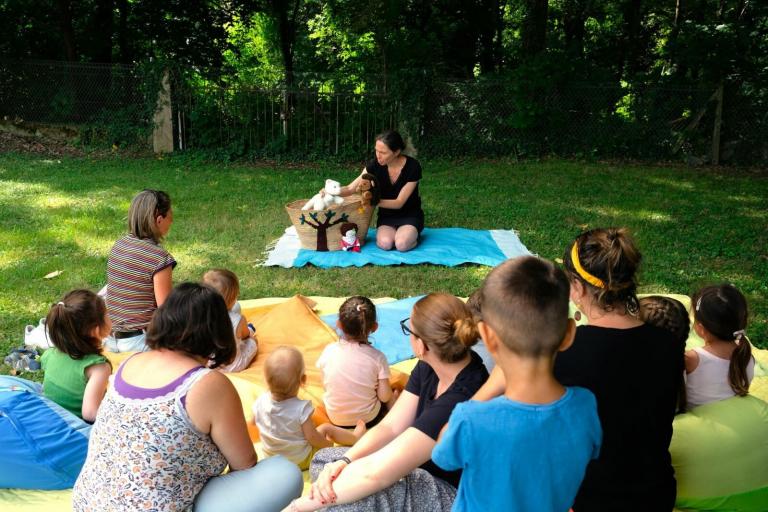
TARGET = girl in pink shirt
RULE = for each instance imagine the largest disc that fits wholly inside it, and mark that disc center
(355, 375)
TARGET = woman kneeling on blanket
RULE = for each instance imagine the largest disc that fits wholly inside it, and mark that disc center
(390, 467)
(168, 426)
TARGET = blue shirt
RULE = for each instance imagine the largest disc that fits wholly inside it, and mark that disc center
(520, 457)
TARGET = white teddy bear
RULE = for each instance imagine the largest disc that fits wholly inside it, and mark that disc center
(321, 202)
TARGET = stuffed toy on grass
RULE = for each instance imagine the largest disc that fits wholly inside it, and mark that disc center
(349, 241)
(325, 200)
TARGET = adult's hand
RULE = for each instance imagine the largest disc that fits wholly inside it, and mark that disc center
(322, 488)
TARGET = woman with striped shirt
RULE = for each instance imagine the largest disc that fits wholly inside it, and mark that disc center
(139, 271)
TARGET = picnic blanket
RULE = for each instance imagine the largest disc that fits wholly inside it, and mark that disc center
(438, 246)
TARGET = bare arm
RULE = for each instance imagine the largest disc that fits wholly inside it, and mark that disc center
(376, 471)
(352, 187)
(214, 407)
(402, 197)
(493, 387)
(384, 390)
(691, 360)
(243, 331)
(394, 423)
(313, 437)
(96, 376)
(163, 284)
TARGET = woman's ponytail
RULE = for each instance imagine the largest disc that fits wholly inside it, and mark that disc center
(465, 331)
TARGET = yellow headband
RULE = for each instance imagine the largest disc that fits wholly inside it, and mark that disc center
(594, 281)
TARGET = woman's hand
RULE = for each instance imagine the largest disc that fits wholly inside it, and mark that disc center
(322, 488)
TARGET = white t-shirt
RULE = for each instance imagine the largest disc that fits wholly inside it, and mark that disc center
(709, 381)
(351, 373)
(280, 426)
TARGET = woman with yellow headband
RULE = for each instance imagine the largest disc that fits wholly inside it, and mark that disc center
(632, 368)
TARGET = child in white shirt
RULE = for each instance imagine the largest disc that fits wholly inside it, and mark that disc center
(285, 422)
(226, 283)
(355, 375)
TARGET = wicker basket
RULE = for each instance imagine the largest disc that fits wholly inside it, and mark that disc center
(320, 230)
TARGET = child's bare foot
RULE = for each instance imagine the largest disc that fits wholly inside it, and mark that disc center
(360, 429)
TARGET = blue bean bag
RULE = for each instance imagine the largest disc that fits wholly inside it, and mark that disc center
(43, 445)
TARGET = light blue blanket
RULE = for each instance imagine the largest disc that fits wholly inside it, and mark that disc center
(438, 246)
(389, 337)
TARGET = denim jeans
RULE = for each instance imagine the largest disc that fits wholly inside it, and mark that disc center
(133, 344)
(269, 486)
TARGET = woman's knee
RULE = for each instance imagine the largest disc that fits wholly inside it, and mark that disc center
(385, 242)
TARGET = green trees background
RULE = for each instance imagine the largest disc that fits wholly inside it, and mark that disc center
(528, 49)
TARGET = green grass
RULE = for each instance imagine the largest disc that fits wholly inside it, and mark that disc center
(693, 226)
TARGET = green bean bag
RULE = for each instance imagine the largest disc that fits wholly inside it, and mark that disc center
(720, 454)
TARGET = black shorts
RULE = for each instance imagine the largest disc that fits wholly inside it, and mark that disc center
(396, 222)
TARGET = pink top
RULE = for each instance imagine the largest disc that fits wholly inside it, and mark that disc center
(351, 373)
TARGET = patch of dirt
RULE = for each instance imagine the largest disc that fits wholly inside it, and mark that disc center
(38, 145)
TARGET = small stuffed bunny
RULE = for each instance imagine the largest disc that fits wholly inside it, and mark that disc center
(321, 202)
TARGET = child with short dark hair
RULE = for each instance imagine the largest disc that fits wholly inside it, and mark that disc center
(285, 422)
(228, 285)
(76, 372)
(549, 432)
(355, 374)
(669, 314)
(724, 366)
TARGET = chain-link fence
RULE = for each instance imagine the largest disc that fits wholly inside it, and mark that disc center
(320, 116)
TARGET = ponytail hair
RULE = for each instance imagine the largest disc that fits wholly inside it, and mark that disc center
(606, 261)
(722, 310)
(446, 325)
(357, 316)
(71, 322)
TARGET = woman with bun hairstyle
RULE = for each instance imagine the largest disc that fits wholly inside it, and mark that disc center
(633, 368)
(390, 467)
(401, 218)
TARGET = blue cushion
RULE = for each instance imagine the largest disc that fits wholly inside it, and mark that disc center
(43, 446)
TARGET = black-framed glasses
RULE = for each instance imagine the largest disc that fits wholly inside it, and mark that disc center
(407, 330)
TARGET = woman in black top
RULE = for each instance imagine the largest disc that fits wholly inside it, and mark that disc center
(632, 368)
(401, 218)
(391, 466)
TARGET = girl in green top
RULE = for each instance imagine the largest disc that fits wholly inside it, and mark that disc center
(76, 372)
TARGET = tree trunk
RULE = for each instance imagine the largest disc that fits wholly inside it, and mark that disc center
(631, 50)
(488, 31)
(67, 32)
(574, 15)
(534, 29)
(103, 29)
(122, 32)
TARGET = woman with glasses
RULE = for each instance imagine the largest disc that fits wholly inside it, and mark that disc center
(390, 467)
(139, 271)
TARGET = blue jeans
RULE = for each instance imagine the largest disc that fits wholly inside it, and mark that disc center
(132, 344)
(269, 486)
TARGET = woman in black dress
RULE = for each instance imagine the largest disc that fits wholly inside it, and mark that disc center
(401, 218)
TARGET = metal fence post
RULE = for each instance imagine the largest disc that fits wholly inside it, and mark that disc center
(718, 124)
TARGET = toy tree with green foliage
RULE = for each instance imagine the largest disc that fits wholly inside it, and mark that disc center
(322, 227)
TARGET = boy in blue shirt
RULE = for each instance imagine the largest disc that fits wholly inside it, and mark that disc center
(528, 449)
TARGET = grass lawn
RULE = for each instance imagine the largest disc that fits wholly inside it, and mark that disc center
(694, 226)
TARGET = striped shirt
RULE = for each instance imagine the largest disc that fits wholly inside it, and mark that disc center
(131, 268)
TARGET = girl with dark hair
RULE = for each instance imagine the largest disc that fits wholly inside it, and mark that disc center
(390, 467)
(76, 372)
(724, 366)
(169, 425)
(401, 218)
(139, 271)
(633, 369)
(355, 375)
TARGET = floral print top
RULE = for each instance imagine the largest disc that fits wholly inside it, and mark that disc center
(144, 452)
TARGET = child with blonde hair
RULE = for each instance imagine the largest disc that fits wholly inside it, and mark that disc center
(76, 372)
(724, 366)
(285, 421)
(228, 285)
(355, 375)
